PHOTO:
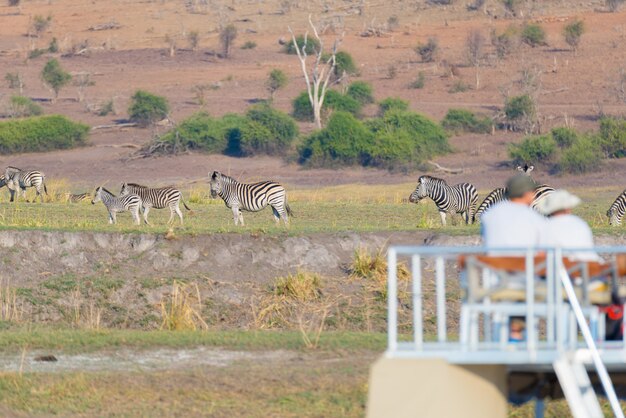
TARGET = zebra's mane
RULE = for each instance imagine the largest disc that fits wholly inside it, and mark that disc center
(136, 185)
(433, 179)
(105, 190)
(225, 177)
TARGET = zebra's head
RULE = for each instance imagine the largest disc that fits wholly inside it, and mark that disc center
(526, 169)
(614, 218)
(420, 191)
(97, 196)
(125, 190)
(216, 184)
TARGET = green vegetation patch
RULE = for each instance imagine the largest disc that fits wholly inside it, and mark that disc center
(41, 133)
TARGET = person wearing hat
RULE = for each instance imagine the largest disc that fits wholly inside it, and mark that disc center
(565, 230)
(512, 223)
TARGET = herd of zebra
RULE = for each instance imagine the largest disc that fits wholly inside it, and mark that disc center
(463, 198)
(239, 197)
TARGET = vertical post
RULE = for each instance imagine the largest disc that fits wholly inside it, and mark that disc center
(441, 299)
(550, 315)
(531, 333)
(392, 300)
(416, 274)
(561, 310)
(487, 317)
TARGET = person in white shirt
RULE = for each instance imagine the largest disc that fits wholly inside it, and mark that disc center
(512, 223)
(564, 230)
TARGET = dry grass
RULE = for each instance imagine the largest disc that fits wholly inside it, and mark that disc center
(302, 286)
(180, 309)
(84, 316)
(373, 269)
(10, 308)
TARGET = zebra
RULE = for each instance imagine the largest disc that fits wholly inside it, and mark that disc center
(250, 197)
(499, 194)
(617, 209)
(75, 198)
(114, 204)
(460, 198)
(156, 198)
(15, 177)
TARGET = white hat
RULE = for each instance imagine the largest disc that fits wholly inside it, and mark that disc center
(557, 201)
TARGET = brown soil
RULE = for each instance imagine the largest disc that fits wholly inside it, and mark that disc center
(135, 56)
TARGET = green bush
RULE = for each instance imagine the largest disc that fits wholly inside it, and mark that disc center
(419, 82)
(41, 133)
(345, 140)
(250, 138)
(505, 42)
(282, 128)
(21, 106)
(54, 76)
(533, 149)
(334, 100)
(461, 120)
(572, 32)
(202, 132)
(312, 45)
(533, 35)
(612, 137)
(146, 108)
(518, 107)
(564, 137)
(345, 63)
(392, 103)
(428, 50)
(584, 155)
(361, 91)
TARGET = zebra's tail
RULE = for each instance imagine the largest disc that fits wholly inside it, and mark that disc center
(185, 205)
(288, 209)
(45, 189)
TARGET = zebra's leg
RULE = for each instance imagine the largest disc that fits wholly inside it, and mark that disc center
(24, 194)
(276, 215)
(12, 191)
(112, 218)
(241, 219)
(179, 213)
(136, 219)
(442, 215)
(38, 189)
(146, 209)
(235, 210)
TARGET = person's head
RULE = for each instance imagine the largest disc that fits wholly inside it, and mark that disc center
(559, 202)
(521, 189)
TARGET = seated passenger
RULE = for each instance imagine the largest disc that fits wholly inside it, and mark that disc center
(512, 223)
(564, 230)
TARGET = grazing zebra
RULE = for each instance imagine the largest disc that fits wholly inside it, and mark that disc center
(156, 198)
(250, 197)
(460, 198)
(617, 209)
(15, 177)
(75, 198)
(499, 194)
(114, 204)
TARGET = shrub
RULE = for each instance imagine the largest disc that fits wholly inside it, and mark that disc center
(106, 108)
(392, 103)
(312, 45)
(533, 148)
(283, 128)
(41, 133)
(21, 106)
(40, 24)
(583, 156)
(344, 63)
(612, 137)
(345, 140)
(459, 86)
(54, 76)
(419, 81)
(572, 33)
(334, 100)
(14, 81)
(194, 39)
(14, 2)
(428, 50)
(614, 5)
(249, 45)
(461, 120)
(392, 71)
(564, 137)
(505, 42)
(146, 108)
(53, 47)
(227, 37)
(202, 132)
(36, 53)
(518, 107)
(512, 6)
(361, 91)
(249, 138)
(533, 35)
(276, 80)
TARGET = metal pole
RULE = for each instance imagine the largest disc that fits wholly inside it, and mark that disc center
(441, 299)
(530, 300)
(392, 301)
(416, 273)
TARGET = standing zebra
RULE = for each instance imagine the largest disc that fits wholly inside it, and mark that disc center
(156, 198)
(15, 177)
(499, 194)
(114, 204)
(460, 198)
(617, 209)
(250, 197)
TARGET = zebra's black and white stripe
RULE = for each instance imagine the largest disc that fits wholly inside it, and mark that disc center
(17, 178)
(499, 194)
(250, 197)
(617, 210)
(157, 198)
(460, 198)
(114, 204)
(75, 198)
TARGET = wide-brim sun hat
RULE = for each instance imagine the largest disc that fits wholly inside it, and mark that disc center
(557, 201)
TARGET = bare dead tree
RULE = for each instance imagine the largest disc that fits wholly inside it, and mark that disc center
(621, 85)
(475, 44)
(319, 77)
